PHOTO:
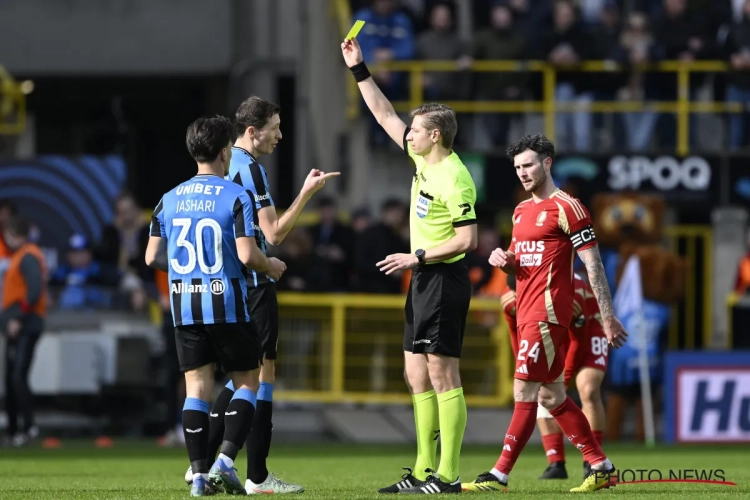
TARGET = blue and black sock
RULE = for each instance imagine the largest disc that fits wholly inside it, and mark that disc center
(238, 419)
(216, 427)
(195, 427)
(259, 439)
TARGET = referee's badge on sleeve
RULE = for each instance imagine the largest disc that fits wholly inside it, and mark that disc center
(423, 204)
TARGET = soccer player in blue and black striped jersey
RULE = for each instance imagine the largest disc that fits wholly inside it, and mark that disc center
(257, 124)
(208, 224)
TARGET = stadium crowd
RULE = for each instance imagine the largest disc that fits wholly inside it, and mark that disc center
(563, 33)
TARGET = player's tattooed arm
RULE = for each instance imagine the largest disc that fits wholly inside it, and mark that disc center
(592, 259)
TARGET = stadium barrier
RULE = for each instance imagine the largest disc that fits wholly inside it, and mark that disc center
(683, 107)
(347, 348)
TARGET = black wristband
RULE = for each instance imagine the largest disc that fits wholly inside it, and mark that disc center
(360, 72)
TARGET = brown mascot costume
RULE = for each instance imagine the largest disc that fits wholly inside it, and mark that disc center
(632, 224)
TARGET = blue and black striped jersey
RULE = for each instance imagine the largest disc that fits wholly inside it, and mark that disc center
(201, 219)
(245, 171)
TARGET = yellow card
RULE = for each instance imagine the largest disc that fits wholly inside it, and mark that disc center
(355, 30)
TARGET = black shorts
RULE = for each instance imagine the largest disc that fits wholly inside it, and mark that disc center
(264, 310)
(235, 347)
(436, 307)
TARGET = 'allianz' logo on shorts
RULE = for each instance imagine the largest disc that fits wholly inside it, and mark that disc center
(217, 287)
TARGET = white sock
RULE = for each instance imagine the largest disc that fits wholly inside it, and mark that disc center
(227, 461)
(503, 478)
(203, 475)
(606, 465)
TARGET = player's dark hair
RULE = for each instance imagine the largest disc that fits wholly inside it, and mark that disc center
(537, 143)
(440, 117)
(206, 137)
(254, 112)
(18, 226)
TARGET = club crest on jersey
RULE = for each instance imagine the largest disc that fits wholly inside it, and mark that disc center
(541, 218)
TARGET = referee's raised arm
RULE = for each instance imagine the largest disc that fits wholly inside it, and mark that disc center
(378, 104)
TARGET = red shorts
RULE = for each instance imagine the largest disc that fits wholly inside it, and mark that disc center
(541, 352)
(589, 353)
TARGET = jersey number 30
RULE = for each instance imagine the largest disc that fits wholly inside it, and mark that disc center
(196, 252)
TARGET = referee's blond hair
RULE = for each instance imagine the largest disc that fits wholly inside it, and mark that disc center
(441, 117)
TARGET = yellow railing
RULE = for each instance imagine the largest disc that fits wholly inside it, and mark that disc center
(12, 105)
(349, 348)
(683, 107)
(693, 243)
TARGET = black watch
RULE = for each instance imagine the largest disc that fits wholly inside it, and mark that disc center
(420, 256)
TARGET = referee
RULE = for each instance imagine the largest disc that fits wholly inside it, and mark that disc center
(443, 228)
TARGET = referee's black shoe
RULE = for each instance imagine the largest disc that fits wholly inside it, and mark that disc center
(407, 481)
(433, 486)
(556, 470)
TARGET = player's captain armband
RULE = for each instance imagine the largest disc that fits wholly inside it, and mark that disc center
(583, 236)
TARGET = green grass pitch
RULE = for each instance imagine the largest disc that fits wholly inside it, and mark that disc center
(342, 471)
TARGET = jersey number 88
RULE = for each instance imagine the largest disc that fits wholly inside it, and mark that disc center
(195, 252)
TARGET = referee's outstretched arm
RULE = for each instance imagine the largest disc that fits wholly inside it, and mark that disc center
(380, 106)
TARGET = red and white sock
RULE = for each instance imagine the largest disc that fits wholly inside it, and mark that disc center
(554, 446)
(520, 430)
(573, 423)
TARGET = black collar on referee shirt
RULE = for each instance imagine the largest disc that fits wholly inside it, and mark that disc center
(248, 153)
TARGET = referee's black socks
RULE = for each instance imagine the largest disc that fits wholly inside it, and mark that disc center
(195, 427)
(216, 427)
(259, 439)
(238, 419)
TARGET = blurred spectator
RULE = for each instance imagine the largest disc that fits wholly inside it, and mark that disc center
(381, 240)
(680, 35)
(306, 271)
(531, 21)
(387, 36)
(499, 42)
(7, 210)
(174, 382)
(441, 43)
(486, 280)
(738, 90)
(361, 220)
(84, 281)
(566, 44)
(742, 284)
(24, 307)
(605, 34)
(333, 242)
(637, 46)
(122, 247)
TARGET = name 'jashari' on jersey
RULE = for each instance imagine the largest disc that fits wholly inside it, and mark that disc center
(201, 219)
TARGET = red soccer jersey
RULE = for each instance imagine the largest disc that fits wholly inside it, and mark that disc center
(546, 235)
(588, 343)
(508, 301)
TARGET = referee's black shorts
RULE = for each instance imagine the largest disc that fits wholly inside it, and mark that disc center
(436, 307)
(236, 347)
(264, 310)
